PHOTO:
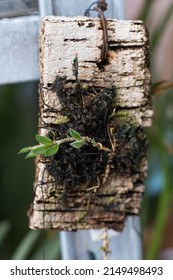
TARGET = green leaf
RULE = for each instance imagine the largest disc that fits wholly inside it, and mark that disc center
(43, 140)
(24, 150)
(73, 133)
(40, 150)
(30, 155)
(52, 151)
(78, 144)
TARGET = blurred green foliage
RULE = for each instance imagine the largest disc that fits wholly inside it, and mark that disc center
(159, 191)
(18, 122)
(18, 118)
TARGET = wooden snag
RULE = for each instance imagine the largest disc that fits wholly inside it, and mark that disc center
(94, 186)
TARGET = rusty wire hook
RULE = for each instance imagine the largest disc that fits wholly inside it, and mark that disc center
(100, 7)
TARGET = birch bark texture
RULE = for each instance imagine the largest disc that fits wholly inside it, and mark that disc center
(107, 101)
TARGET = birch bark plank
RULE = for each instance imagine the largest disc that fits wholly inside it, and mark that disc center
(127, 69)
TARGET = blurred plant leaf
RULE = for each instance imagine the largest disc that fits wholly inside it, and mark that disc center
(158, 33)
(25, 247)
(4, 230)
(145, 10)
(52, 248)
(161, 87)
(162, 210)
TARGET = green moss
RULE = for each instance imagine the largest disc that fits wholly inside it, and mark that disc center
(61, 119)
(122, 114)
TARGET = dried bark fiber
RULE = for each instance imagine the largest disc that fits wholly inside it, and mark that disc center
(109, 102)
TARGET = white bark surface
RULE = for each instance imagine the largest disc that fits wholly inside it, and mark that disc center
(128, 67)
(128, 70)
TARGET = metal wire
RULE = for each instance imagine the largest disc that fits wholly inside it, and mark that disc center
(100, 7)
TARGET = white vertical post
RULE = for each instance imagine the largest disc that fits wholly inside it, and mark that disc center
(118, 6)
(45, 7)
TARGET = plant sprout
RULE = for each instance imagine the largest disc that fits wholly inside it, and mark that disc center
(48, 147)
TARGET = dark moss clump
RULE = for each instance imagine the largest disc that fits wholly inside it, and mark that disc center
(131, 147)
(88, 111)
